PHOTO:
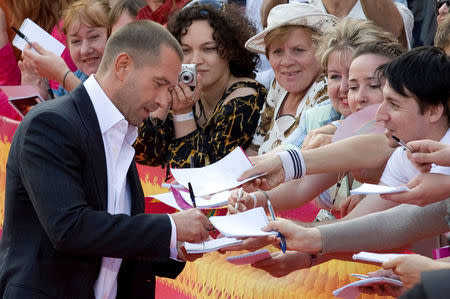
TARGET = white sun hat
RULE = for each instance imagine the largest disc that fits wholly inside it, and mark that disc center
(291, 14)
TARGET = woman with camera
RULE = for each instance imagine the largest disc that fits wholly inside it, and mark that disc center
(222, 111)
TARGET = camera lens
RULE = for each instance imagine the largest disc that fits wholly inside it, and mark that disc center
(186, 77)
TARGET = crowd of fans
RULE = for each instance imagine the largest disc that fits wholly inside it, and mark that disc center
(278, 78)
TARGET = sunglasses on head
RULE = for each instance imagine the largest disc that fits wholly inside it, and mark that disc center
(214, 3)
(439, 4)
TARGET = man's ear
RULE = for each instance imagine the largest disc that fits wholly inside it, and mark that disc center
(122, 65)
(435, 112)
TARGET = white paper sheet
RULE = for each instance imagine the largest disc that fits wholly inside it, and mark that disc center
(215, 177)
(378, 189)
(210, 245)
(245, 224)
(202, 202)
(34, 33)
(375, 257)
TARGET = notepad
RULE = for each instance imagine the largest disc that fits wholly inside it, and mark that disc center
(378, 189)
(22, 97)
(219, 176)
(210, 245)
(245, 224)
(351, 291)
(34, 33)
(250, 257)
(375, 257)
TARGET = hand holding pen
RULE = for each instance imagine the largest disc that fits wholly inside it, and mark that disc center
(272, 214)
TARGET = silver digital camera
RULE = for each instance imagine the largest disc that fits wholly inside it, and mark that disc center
(188, 74)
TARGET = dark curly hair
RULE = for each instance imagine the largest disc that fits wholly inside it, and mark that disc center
(231, 29)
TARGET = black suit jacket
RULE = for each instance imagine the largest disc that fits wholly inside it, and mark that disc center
(56, 228)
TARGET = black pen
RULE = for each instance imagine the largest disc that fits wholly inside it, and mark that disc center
(402, 143)
(19, 33)
(191, 194)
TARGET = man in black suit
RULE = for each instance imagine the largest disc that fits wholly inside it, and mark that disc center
(74, 225)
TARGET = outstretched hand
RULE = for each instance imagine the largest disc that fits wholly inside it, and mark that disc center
(297, 237)
(281, 264)
(426, 152)
(426, 188)
(274, 174)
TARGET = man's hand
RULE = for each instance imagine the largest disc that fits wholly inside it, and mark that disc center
(281, 264)
(272, 166)
(426, 188)
(192, 226)
(184, 256)
(409, 267)
(298, 238)
(426, 152)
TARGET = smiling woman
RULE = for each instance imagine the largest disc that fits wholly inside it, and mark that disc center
(85, 28)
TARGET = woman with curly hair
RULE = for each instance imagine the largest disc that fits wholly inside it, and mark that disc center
(222, 112)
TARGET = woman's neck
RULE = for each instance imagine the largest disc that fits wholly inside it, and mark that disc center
(339, 8)
(155, 4)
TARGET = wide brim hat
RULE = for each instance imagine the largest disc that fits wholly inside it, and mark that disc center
(291, 14)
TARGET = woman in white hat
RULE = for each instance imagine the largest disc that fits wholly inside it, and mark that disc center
(289, 42)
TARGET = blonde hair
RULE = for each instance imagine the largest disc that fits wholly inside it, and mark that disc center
(282, 33)
(442, 37)
(93, 12)
(347, 35)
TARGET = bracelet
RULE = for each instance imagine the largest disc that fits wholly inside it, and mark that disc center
(313, 258)
(336, 123)
(293, 164)
(266, 195)
(253, 196)
(183, 117)
(64, 79)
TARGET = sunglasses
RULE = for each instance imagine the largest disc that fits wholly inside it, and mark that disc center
(219, 5)
(439, 4)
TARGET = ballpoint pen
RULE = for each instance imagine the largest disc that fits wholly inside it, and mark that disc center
(191, 194)
(402, 143)
(272, 214)
(19, 33)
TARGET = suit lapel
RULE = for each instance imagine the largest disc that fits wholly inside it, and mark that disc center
(137, 195)
(94, 141)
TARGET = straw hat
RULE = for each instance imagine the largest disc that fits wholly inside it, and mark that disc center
(291, 14)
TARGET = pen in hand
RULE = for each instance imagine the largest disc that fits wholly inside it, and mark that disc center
(272, 214)
(23, 36)
(402, 143)
(191, 194)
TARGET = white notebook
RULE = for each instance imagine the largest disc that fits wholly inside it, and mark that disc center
(375, 257)
(210, 245)
(250, 257)
(351, 290)
(34, 33)
(377, 189)
(245, 224)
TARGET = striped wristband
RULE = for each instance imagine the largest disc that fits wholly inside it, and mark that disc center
(293, 164)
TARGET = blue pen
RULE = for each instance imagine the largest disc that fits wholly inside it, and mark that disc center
(272, 214)
(191, 194)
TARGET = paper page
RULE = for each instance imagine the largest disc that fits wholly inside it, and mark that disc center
(249, 258)
(375, 257)
(378, 189)
(34, 33)
(202, 202)
(210, 245)
(245, 224)
(351, 290)
(215, 177)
